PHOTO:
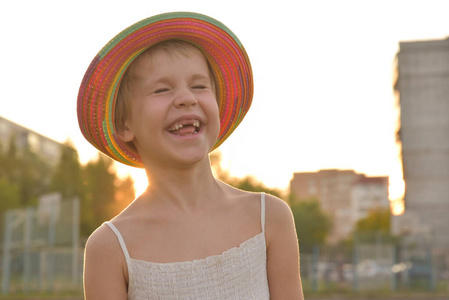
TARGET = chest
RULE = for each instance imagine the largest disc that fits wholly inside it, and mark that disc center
(238, 273)
(190, 237)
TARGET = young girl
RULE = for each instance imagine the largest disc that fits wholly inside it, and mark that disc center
(161, 95)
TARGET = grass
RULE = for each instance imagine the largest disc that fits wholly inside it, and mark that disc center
(43, 296)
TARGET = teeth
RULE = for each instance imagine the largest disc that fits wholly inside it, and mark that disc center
(179, 125)
(175, 127)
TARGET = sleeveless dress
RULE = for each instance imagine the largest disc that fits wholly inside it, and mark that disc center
(238, 273)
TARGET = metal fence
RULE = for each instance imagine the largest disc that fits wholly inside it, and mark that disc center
(380, 268)
(40, 248)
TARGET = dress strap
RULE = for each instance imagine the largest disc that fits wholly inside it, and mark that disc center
(120, 238)
(262, 211)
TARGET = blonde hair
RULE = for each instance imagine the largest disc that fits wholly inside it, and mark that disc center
(124, 95)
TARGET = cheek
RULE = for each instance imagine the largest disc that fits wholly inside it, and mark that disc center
(215, 108)
(217, 119)
(145, 117)
(212, 111)
(211, 103)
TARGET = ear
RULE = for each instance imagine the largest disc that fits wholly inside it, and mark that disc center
(125, 133)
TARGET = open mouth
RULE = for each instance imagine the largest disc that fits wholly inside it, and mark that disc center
(186, 127)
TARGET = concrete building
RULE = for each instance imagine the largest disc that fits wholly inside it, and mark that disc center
(422, 89)
(369, 193)
(25, 138)
(343, 194)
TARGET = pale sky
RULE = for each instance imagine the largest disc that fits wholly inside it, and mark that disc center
(322, 69)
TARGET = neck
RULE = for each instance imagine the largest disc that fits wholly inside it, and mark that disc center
(186, 188)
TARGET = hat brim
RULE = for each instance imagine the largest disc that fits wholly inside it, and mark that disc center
(98, 91)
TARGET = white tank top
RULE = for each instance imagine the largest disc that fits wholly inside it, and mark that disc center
(238, 273)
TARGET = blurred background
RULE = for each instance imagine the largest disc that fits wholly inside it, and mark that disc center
(349, 125)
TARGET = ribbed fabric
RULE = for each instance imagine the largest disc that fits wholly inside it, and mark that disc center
(238, 273)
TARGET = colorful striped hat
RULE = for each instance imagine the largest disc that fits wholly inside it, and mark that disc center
(226, 55)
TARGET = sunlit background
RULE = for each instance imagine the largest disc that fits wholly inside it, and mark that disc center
(324, 128)
(323, 77)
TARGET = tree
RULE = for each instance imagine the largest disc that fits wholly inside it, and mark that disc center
(374, 228)
(67, 175)
(247, 183)
(125, 193)
(312, 224)
(9, 162)
(9, 192)
(9, 195)
(24, 176)
(35, 174)
(102, 193)
(26, 170)
(99, 180)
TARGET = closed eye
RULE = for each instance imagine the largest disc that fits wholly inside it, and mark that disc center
(199, 87)
(161, 90)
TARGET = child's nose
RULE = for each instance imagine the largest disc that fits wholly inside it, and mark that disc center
(185, 99)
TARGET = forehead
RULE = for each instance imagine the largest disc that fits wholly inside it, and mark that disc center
(167, 64)
(157, 58)
(171, 49)
(174, 47)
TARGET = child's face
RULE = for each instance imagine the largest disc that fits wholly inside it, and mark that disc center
(174, 115)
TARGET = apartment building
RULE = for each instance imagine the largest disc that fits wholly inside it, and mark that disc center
(25, 138)
(422, 90)
(344, 195)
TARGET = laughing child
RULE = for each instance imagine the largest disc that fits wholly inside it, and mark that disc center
(161, 95)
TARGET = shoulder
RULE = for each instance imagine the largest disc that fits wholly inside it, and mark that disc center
(104, 263)
(279, 224)
(101, 241)
(278, 214)
(282, 251)
(278, 208)
(103, 246)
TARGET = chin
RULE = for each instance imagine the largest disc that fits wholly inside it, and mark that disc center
(194, 159)
(185, 158)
